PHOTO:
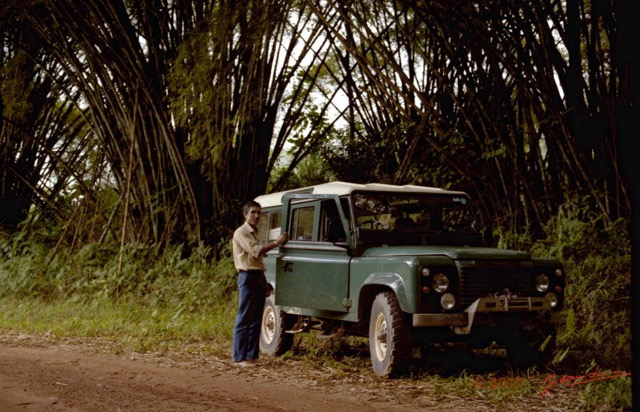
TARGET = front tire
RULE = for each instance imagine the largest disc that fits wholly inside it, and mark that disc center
(273, 337)
(390, 341)
(524, 350)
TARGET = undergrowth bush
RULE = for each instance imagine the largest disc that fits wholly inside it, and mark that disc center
(136, 296)
(102, 271)
(597, 260)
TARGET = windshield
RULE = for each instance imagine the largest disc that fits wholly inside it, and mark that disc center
(417, 213)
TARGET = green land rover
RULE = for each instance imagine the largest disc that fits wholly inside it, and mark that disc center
(406, 266)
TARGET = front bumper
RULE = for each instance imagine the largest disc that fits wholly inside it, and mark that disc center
(484, 308)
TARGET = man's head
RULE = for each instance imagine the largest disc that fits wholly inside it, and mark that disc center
(251, 211)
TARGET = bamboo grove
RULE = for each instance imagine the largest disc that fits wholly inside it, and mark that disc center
(152, 121)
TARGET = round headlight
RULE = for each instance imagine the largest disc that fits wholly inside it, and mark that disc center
(552, 298)
(448, 301)
(542, 282)
(425, 272)
(558, 272)
(440, 282)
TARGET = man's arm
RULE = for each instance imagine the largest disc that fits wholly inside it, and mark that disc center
(281, 240)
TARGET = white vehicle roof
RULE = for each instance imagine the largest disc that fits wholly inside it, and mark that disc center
(345, 188)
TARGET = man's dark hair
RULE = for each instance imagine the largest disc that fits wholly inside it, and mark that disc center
(249, 205)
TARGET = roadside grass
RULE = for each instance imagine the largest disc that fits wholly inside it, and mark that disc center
(138, 327)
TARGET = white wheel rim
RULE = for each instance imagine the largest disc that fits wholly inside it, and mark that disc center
(268, 325)
(380, 337)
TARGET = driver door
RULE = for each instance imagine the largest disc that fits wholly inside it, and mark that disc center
(312, 271)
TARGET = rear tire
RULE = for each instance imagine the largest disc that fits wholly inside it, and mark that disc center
(390, 341)
(273, 337)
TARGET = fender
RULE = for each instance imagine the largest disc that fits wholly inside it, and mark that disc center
(395, 283)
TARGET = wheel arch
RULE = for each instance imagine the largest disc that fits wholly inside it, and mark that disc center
(377, 283)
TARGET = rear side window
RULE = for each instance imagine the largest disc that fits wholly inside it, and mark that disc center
(269, 226)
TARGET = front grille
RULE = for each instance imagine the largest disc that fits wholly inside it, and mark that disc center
(481, 282)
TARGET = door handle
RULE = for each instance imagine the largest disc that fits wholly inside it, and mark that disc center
(287, 267)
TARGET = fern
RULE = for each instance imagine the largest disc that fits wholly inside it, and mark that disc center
(598, 288)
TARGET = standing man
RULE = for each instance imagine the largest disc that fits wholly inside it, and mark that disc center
(252, 284)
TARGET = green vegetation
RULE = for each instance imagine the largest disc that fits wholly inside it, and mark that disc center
(152, 299)
(144, 299)
(598, 291)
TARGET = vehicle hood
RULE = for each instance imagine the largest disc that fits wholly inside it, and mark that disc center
(455, 253)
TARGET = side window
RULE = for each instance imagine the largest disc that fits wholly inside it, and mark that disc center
(302, 227)
(275, 220)
(269, 226)
(263, 227)
(331, 229)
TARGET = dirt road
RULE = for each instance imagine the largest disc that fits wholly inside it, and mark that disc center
(41, 375)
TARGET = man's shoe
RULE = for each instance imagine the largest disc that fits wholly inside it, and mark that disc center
(243, 364)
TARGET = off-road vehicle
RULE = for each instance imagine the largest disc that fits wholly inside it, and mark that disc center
(407, 266)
